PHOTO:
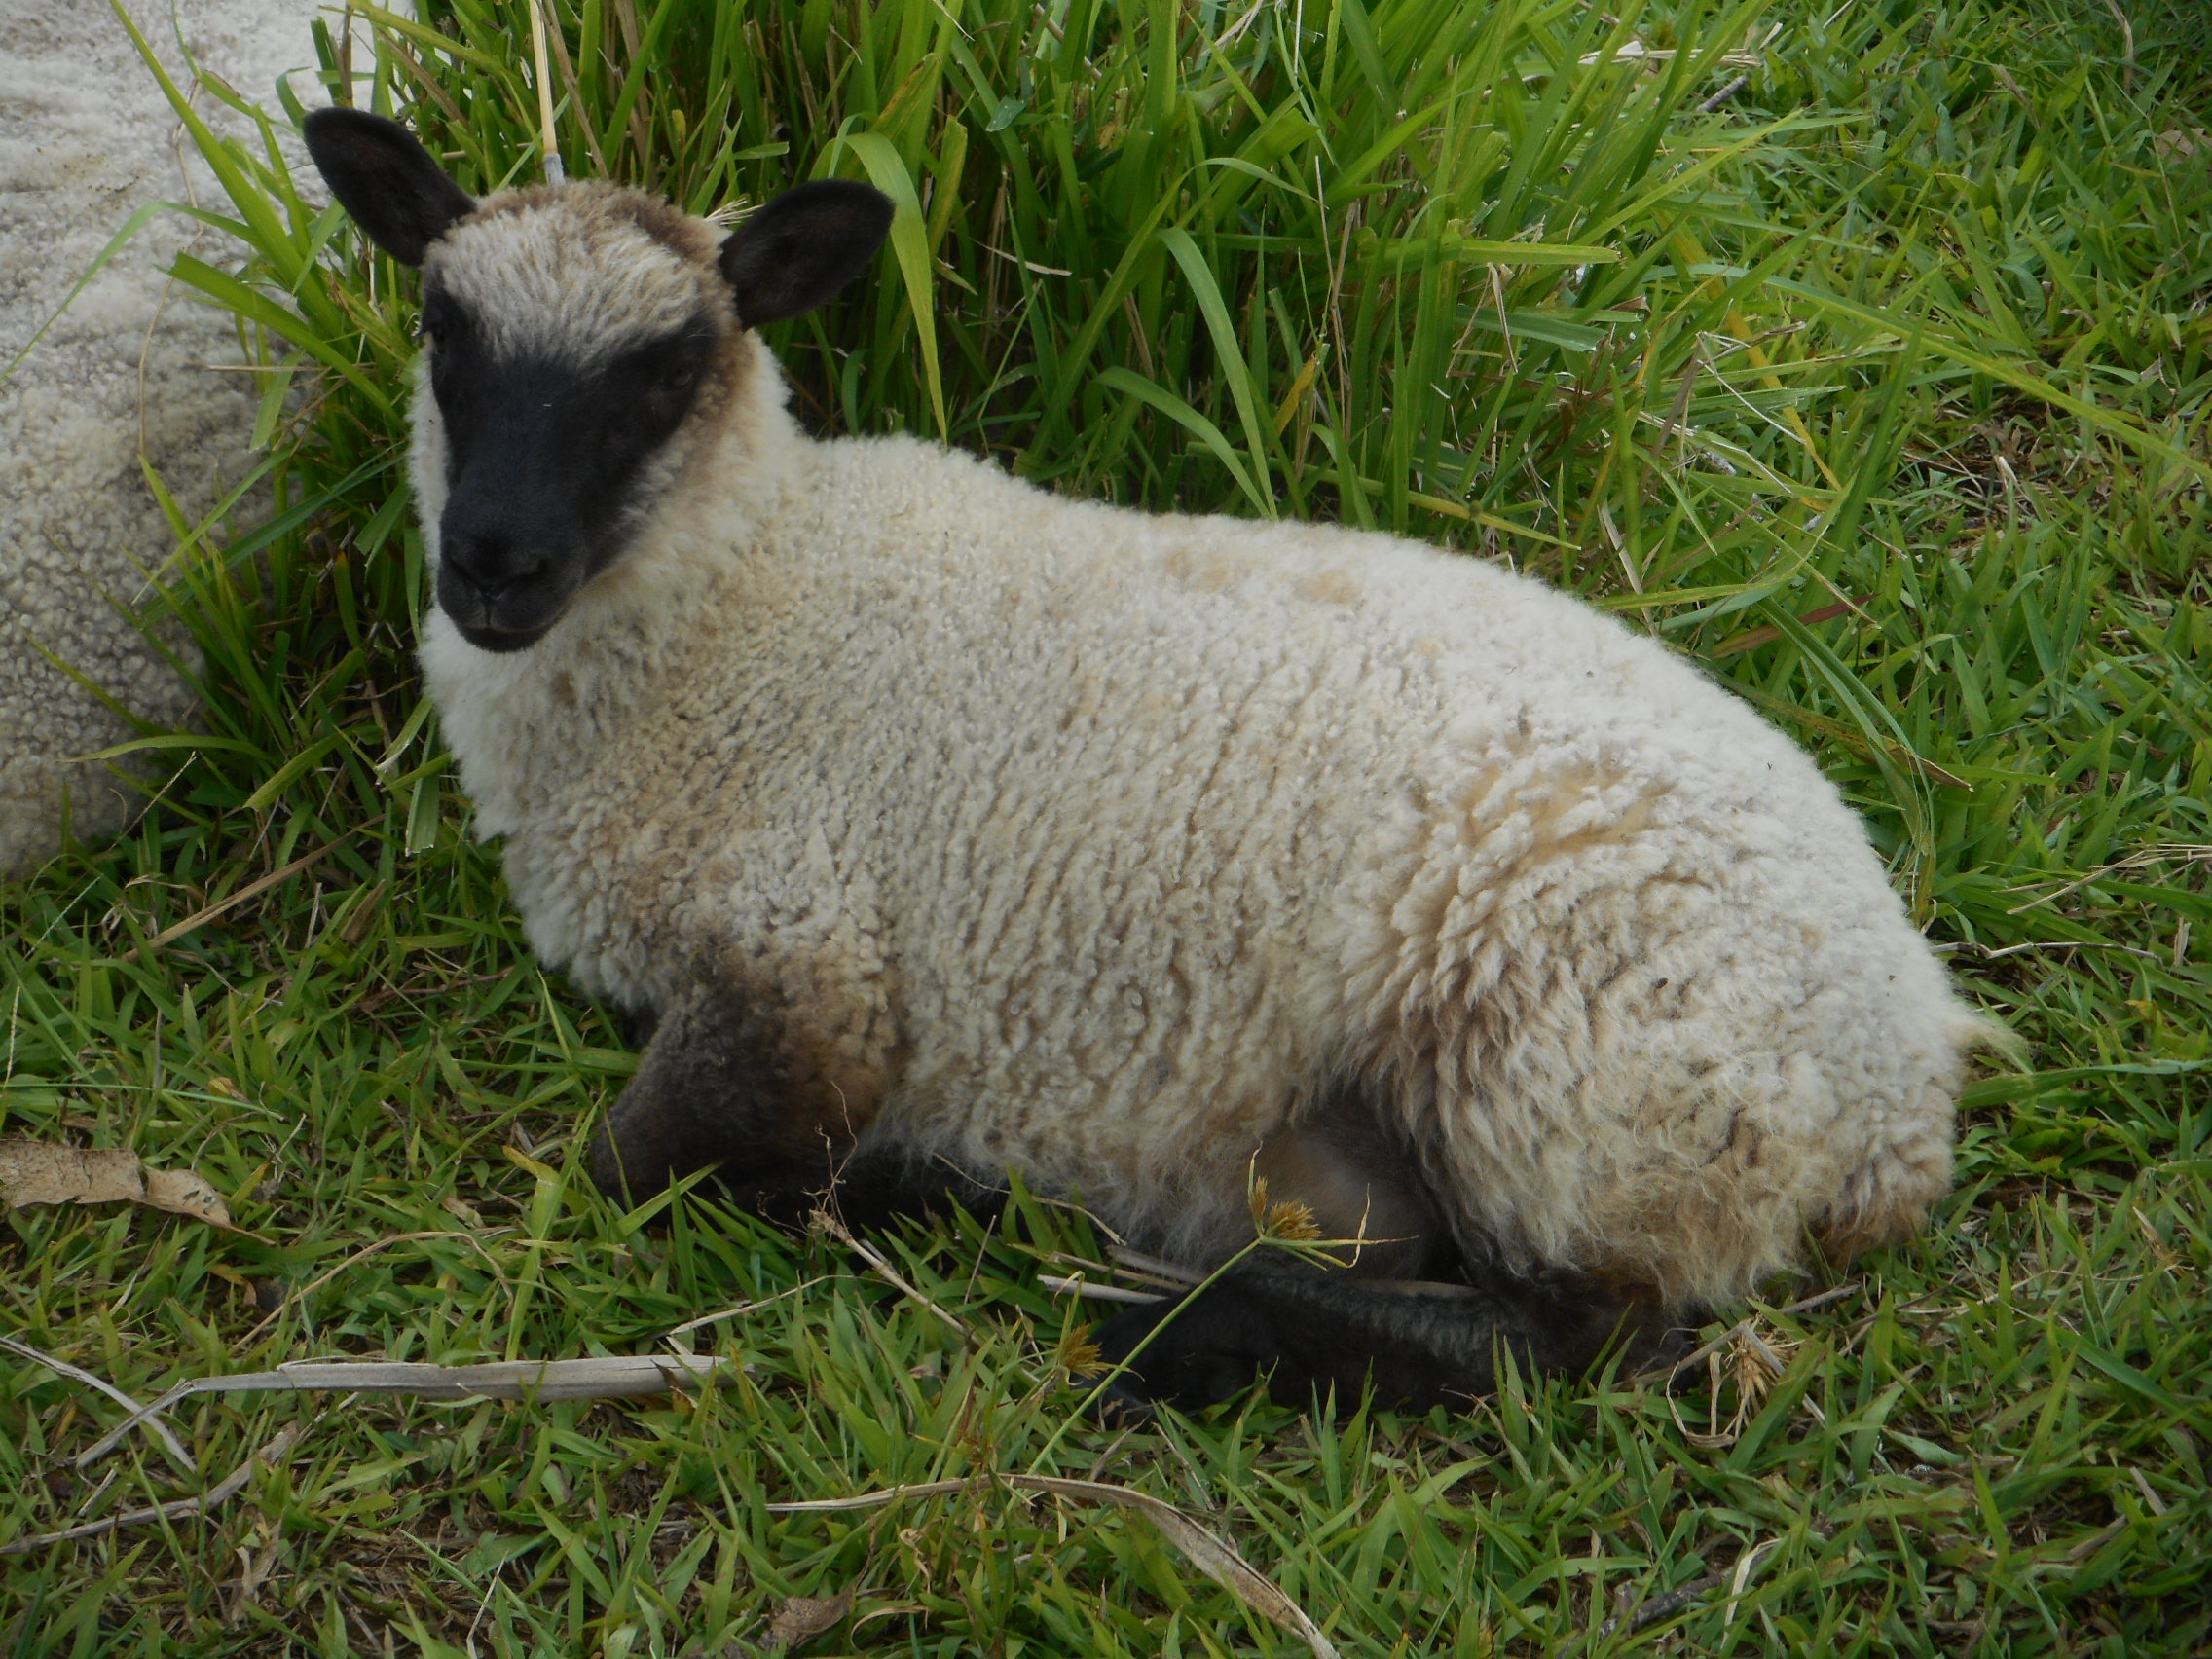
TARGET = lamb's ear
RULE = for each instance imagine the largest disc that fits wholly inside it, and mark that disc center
(391, 185)
(802, 248)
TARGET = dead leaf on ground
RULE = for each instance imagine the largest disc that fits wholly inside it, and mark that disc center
(802, 1618)
(461, 1211)
(2180, 143)
(257, 1560)
(33, 1172)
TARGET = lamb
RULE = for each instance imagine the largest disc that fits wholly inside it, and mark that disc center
(945, 825)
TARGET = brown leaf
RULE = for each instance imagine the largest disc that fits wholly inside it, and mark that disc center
(33, 1172)
(183, 1193)
(2182, 143)
(463, 1212)
(257, 1560)
(802, 1618)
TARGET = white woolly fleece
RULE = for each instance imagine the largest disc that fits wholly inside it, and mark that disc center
(124, 378)
(1105, 844)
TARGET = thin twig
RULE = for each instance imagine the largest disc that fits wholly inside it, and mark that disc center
(748, 1306)
(1152, 1264)
(870, 1499)
(251, 889)
(838, 1231)
(1990, 953)
(549, 148)
(1083, 1287)
(1112, 1273)
(175, 1509)
(1807, 1304)
(154, 1426)
(603, 1377)
(2188, 852)
(600, 1376)
(1724, 95)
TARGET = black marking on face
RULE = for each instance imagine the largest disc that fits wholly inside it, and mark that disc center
(543, 460)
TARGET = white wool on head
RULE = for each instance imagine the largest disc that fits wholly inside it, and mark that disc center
(578, 273)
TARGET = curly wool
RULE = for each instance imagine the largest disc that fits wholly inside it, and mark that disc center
(87, 138)
(1109, 845)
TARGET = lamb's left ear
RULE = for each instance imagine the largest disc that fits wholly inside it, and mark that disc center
(381, 174)
(802, 248)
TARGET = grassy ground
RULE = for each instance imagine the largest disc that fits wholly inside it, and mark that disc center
(1722, 318)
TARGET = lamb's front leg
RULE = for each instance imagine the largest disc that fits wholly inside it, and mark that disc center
(760, 1079)
(776, 1100)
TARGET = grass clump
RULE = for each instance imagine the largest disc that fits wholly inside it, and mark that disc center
(1860, 352)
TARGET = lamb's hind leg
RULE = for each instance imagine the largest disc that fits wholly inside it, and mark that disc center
(1421, 1344)
(1377, 1316)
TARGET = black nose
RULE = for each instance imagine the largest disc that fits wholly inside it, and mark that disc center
(488, 562)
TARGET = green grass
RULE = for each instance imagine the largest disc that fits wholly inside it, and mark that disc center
(1916, 318)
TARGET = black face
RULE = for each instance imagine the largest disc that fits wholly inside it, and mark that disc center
(543, 463)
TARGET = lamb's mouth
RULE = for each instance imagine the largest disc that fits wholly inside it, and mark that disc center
(502, 639)
(509, 618)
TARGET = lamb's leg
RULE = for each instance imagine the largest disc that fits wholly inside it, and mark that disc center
(731, 1079)
(869, 1189)
(1422, 1345)
(1311, 1330)
(723, 1083)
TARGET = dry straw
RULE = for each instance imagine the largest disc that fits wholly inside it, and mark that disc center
(555, 174)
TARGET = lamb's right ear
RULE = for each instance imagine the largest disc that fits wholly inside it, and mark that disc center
(395, 189)
(801, 248)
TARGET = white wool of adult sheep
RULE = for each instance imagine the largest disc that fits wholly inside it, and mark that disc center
(1124, 848)
(132, 372)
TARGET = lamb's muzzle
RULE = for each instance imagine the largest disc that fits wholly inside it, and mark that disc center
(947, 826)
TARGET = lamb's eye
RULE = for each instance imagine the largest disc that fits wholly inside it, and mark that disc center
(677, 381)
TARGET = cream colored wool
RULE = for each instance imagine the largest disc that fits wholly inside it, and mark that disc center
(137, 370)
(1105, 844)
